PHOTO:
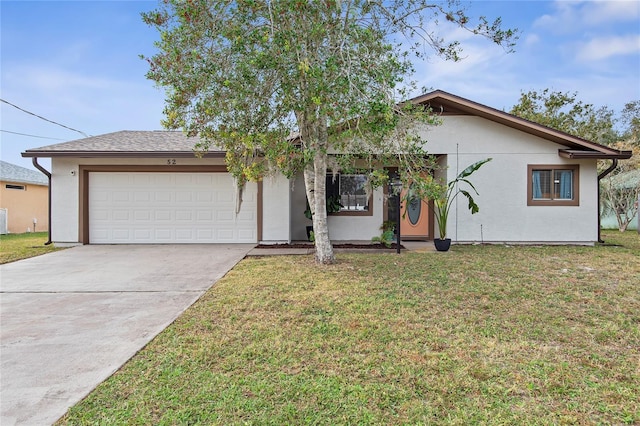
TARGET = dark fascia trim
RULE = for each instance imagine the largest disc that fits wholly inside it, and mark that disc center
(122, 154)
(474, 108)
(577, 154)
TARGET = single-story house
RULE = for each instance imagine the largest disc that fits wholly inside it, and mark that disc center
(23, 200)
(138, 187)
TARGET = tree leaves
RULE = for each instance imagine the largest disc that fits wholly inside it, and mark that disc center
(280, 84)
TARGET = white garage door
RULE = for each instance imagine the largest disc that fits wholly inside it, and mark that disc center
(148, 208)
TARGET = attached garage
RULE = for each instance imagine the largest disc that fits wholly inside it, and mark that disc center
(165, 207)
(149, 208)
(150, 187)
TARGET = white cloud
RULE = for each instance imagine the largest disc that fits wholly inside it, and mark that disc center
(571, 16)
(599, 12)
(531, 40)
(93, 103)
(601, 48)
(57, 79)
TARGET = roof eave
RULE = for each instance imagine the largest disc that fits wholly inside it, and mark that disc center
(122, 154)
(23, 182)
(474, 108)
(577, 155)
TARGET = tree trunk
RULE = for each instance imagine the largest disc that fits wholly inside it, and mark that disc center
(313, 129)
(324, 248)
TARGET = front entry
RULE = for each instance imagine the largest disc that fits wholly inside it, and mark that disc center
(415, 219)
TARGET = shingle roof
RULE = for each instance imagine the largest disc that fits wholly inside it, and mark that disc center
(129, 143)
(12, 173)
(124, 142)
(577, 147)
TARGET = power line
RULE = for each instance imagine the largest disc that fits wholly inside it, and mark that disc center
(45, 119)
(31, 136)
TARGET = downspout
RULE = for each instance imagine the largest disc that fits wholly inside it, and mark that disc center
(34, 160)
(600, 177)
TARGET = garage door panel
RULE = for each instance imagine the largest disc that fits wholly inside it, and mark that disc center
(163, 216)
(226, 197)
(169, 207)
(121, 234)
(244, 234)
(205, 179)
(164, 235)
(162, 196)
(184, 197)
(144, 233)
(224, 216)
(121, 197)
(119, 180)
(120, 215)
(142, 215)
(184, 215)
(204, 216)
(162, 179)
(184, 234)
(141, 197)
(186, 179)
(246, 216)
(204, 197)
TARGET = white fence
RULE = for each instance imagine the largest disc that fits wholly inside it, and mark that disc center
(3, 221)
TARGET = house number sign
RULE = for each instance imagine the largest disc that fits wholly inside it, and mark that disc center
(171, 162)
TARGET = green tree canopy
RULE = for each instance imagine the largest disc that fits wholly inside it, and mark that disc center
(630, 119)
(563, 111)
(279, 85)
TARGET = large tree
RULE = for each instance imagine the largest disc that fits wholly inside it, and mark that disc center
(620, 190)
(281, 85)
(564, 111)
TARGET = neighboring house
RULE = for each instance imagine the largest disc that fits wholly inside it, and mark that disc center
(23, 199)
(148, 187)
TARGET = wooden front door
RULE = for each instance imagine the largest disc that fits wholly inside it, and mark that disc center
(415, 220)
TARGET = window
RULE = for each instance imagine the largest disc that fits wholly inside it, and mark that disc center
(555, 185)
(18, 187)
(350, 190)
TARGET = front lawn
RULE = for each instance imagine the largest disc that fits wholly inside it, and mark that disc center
(21, 246)
(478, 335)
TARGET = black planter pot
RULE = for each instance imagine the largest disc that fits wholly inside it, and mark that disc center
(309, 231)
(442, 245)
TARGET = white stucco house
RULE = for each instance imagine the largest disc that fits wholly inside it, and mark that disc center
(143, 187)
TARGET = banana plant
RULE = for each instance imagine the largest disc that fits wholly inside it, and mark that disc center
(444, 195)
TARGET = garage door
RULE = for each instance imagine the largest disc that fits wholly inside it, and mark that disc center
(149, 208)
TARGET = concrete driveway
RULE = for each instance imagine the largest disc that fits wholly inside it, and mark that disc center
(70, 319)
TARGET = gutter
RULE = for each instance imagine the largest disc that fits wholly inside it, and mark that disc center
(611, 168)
(34, 160)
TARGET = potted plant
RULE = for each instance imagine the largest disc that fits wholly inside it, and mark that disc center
(333, 206)
(443, 197)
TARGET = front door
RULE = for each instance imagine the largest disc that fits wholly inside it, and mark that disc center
(415, 219)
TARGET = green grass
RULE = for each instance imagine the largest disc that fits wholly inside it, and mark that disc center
(478, 335)
(22, 246)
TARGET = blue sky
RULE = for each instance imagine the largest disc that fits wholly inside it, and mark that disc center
(76, 63)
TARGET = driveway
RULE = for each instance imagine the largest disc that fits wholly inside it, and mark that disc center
(71, 318)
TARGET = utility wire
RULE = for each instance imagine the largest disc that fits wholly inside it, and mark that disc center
(45, 119)
(31, 136)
